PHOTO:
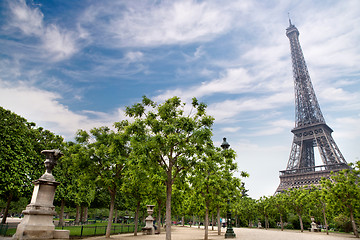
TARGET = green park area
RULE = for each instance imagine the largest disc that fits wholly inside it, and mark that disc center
(163, 155)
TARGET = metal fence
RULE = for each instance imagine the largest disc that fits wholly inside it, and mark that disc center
(3, 229)
(86, 230)
(80, 231)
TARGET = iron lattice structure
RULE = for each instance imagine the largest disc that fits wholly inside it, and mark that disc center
(310, 129)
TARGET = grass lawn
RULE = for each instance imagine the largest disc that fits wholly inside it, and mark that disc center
(98, 229)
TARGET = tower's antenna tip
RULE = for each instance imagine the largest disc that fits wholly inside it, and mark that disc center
(289, 19)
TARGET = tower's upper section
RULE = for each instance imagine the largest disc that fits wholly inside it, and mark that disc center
(291, 30)
(307, 109)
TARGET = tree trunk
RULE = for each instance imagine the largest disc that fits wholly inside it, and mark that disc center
(301, 222)
(159, 217)
(266, 223)
(112, 203)
(3, 221)
(206, 223)
(281, 223)
(136, 219)
(61, 215)
(326, 226)
(85, 214)
(183, 221)
(116, 215)
(212, 221)
(77, 215)
(353, 223)
(82, 214)
(218, 220)
(168, 207)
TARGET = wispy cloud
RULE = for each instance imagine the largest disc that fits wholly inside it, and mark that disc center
(56, 43)
(43, 108)
(163, 23)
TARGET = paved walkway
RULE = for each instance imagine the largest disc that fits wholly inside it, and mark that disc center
(194, 233)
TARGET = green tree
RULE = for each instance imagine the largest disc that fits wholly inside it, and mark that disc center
(317, 205)
(297, 200)
(20, 159)
(108, 154)
(279, 201)
(264, 208)
(136, 186)
(204, 179)
(343, 192)
(63, 173)
(246, 207)
(170, 138)
(158, 193)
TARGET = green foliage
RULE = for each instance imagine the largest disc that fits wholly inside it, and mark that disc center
(20, 159)
(169, 138)
(342, 192)
(342, 223)
(246, 208)
(103, 156)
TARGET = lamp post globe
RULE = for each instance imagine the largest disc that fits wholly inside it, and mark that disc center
(225, 144)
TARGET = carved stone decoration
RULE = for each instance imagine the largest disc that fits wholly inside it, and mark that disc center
(149, 220)
(51, 160)
(38, 215)
(313, 225)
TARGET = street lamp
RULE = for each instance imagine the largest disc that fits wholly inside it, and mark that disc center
(229, 230)
(225, 144)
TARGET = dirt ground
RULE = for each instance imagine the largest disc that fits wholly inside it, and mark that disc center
(194, 233)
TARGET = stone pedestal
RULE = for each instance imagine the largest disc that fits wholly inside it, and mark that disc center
(313, 225)
(149, 220)
(38, 215)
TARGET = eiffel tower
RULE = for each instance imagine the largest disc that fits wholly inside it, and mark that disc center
(310, 129)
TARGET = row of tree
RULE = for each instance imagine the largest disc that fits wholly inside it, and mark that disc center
(164, 149)
(165, 156)
(335, 202)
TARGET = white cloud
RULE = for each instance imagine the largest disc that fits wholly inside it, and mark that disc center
(283, 123)
(230, 129)
(58, 43)
(43, 108)
(133, 56)
(163, 23)
(233, 80)
(226, 110)
(30, 21)
(347, 127)
(332, 94)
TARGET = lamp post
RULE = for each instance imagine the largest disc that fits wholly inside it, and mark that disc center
(229, 230)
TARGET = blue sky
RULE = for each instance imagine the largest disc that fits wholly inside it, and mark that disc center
(69, 65)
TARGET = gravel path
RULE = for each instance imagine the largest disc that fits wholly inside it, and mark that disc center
(193, 233)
